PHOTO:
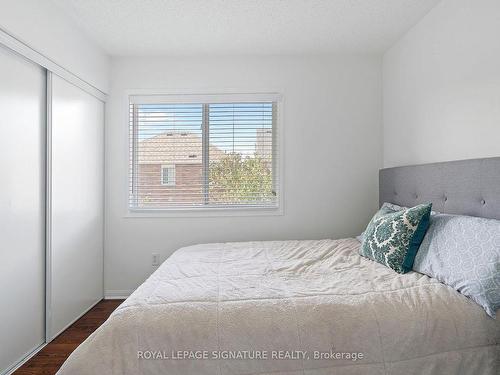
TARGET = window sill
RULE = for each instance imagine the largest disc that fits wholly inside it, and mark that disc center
(203, 212)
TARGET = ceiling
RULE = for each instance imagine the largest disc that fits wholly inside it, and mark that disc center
(242, 27)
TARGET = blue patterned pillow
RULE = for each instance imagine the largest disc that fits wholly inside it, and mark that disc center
(392, 237)
(393, 207)
(464, 253)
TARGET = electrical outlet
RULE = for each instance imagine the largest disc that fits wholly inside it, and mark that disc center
(155, 259)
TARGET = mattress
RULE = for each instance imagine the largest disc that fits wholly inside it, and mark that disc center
(289, 307)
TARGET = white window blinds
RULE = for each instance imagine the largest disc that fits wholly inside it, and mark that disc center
(203, 153)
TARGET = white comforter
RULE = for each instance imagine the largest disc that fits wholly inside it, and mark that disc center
(290, 301)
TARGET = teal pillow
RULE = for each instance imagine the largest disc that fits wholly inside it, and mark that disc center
(392, 238)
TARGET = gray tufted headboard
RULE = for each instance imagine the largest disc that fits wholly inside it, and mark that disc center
(465, 187)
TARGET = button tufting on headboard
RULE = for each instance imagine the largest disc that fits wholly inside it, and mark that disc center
(465, 187)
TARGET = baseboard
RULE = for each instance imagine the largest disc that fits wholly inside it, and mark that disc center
(117, 294)
(25, 359)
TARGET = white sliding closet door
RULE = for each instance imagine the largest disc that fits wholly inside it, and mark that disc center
(22, 207)
(75, 253)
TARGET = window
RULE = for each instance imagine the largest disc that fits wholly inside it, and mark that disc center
(168, 175)
(203, 152)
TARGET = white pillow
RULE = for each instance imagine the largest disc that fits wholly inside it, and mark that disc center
(463, 252)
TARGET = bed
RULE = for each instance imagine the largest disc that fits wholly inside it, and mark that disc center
(306, 307)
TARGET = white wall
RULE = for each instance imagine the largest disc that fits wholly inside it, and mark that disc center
(42, 26)
(441, 85)
(332, 140)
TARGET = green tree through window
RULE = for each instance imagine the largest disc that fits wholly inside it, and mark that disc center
(237, 179)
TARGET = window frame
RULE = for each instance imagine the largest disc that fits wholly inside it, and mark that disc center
(183, 96)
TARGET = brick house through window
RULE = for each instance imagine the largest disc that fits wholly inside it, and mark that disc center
(170, 168)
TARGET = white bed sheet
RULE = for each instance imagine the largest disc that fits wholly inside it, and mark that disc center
(308, 296)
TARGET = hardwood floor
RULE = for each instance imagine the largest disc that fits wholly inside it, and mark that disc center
(48, 360)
